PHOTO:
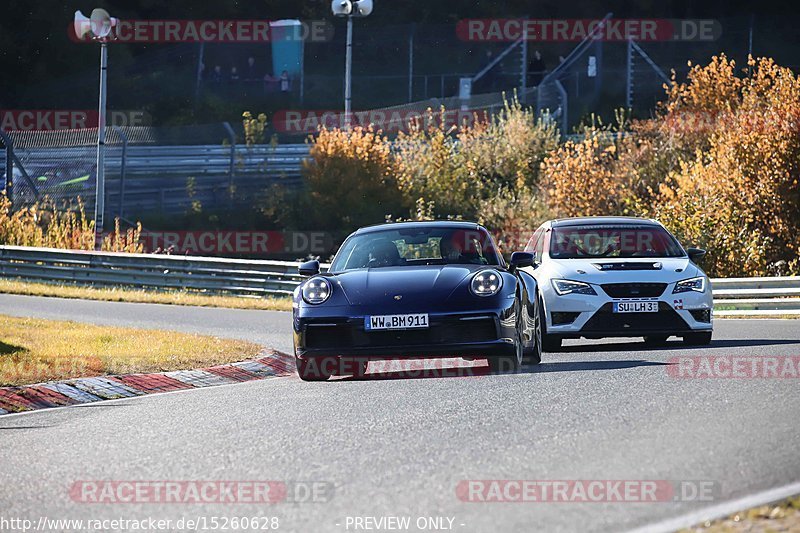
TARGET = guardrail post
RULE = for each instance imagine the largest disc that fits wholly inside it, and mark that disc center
(232, 138)
(122, 170)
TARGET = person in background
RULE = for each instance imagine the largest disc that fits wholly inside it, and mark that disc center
(216, 75)
(234, 74)
(251, 73)
(286, 83)
(536, 69)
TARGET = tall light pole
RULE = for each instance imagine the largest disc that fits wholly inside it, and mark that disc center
(99, 27)
(350, 9)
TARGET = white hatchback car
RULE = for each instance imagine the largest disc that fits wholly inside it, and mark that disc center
(618, 277)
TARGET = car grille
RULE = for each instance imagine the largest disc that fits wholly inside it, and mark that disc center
(634, 290)
(605, 320)
(354, 335)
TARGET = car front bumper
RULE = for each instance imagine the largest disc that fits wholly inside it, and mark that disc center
(590, 316)
(478, 334)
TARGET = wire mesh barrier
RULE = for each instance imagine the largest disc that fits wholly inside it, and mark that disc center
(147, 170)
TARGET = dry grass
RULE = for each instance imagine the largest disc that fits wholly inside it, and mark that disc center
(36, 350)
(782, 516)
(141, 296)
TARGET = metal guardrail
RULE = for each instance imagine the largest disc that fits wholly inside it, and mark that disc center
(757, 296)
(142, 178)
(239, 277)
(254, 278)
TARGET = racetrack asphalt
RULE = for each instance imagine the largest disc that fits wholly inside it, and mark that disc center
(606, 410)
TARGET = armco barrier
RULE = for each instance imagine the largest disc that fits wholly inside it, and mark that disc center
(239, 277)
(243, 277)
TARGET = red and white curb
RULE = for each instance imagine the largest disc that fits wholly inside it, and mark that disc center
(85, 390)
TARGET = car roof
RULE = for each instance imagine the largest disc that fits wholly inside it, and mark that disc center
(594, 221)
(449, 224)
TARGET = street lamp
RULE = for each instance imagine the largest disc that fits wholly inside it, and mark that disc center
(349, 9)
(98, 27)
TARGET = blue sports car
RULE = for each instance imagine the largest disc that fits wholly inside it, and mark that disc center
(416, 290)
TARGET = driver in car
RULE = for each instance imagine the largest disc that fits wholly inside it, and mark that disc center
(457, 248)
(384, 253)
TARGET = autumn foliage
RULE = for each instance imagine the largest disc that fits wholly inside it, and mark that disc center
(44, 225)
(719, 166)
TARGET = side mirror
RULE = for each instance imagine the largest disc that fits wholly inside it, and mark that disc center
(695, 254)
(521, 259)
(309, 268)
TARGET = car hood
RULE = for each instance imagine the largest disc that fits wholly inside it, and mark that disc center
(600, 270)
(374, 285)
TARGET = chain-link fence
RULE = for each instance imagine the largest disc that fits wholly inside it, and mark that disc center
(148, 170)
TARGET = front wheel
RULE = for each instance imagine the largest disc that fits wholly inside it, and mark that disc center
(533, 356)
(311, 369)
(508, 364)
(698, 339)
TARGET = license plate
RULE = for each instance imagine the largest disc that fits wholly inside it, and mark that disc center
(636, 307)
(378, 322)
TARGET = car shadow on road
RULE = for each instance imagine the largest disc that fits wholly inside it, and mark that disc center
(579, 366)
(669, 345)
(477, 371)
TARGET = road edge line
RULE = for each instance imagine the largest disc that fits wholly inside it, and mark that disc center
(720, 510)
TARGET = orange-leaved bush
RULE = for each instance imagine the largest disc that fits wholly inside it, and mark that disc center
(43, 225)
(351, 181)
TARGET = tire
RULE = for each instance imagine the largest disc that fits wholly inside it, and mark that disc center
(698, 339)
(656, 340)
(550, 343)
(508, 364)
(310, 369)
(533, 356)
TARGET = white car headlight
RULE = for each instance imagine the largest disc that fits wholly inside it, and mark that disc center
(486, 283)
(566, 286)
(316, 290)
(697, 284)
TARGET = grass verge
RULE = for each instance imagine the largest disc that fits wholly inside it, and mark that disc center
(36, 350)
(8, 286)
(781, 516)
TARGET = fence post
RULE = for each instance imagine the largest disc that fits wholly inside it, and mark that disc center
(9, 165)
(411, 63)
(232, 138)
(122, 170)
(629, 75)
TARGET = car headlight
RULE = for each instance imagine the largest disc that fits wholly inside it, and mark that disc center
(566, 286)
(486, 283)
(316, 290)
(697, 284)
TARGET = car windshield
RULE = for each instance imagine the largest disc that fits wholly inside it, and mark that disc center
(576, 242)
(415, 246)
